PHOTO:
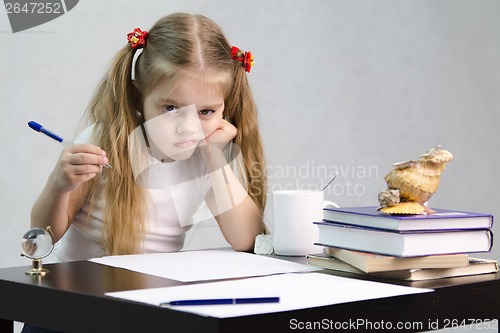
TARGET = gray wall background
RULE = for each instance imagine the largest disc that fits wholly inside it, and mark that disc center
(349, 85)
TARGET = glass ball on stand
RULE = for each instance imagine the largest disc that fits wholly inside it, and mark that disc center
(37, 243)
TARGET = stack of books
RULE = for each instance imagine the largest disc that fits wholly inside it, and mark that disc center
(410, 247)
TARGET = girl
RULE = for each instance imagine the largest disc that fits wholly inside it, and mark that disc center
(169, 121)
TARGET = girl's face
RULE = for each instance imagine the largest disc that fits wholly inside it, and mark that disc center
(177, 120)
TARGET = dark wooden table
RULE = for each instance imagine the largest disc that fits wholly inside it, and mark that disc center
(71, 299)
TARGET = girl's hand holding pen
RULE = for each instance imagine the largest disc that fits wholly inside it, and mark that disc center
(77, 164)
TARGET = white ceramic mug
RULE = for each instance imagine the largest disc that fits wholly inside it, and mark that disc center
(293, 215)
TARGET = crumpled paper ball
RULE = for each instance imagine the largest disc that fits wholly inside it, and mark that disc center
(263, 244)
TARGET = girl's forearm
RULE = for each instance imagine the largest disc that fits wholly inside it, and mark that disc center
(51, 209)
(236, 213)
(241, 224)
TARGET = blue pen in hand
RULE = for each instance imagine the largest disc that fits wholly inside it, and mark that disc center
(222, 301)
(39, 128)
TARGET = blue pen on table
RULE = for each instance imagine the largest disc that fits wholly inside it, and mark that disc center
(39, 128)
(221, 301)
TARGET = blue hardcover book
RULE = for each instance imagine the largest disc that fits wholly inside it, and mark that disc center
(403, 243)
(442, 219)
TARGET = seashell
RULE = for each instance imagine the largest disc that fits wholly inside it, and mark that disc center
(417, 180)
(407, 207)
(389, 198)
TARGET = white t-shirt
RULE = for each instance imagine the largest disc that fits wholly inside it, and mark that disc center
(177, 190)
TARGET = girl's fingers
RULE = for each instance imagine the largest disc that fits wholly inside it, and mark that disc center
(223, 134)
(83, 154)
(86, 148)
(87, 159)
(229, 129)
(84, 169)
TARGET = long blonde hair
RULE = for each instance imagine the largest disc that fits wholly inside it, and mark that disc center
(178, 46)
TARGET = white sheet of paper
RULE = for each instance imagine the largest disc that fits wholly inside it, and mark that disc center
(296, 291)
(203, 265)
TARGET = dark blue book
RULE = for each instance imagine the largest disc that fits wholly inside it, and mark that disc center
(442, 219)
(403, 243)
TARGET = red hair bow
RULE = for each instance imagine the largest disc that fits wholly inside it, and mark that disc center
(246, 58)
(137, 38)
